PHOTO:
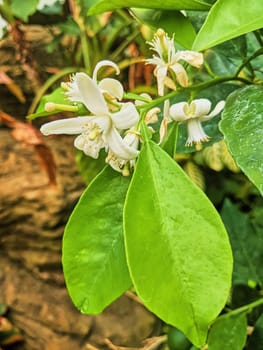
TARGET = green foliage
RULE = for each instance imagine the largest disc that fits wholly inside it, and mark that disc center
(176, 340)
(165, 216)
(243, 128)
(228, 332)
(239, 17)
(93, 258)
(246, 240)
(104, 5)
(173, 22)
(23, 10)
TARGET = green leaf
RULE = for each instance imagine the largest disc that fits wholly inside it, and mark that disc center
(23, 9)
(169, 143)
(93, 257)
(105, 5)
(227, 20)
(57, 96)
(246, 244)
(242, 127)
(228, 332)
(173, 22)
(177, 248)
(90, 167)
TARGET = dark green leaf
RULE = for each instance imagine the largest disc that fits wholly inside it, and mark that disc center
(93, 258)
(227, 20)
(173, 22)
(90, 167)
(228, 332)
(105, 5)
(178, 251)
(246, 244)
(242, 126)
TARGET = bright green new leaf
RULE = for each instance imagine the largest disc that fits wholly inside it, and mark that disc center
(242, 126)
(93, 257)
(57, 96)
(228, 332)
(227, 20)
(173, 22)
(105, 5)
(23, 9)
(246, 244)
(177, 248)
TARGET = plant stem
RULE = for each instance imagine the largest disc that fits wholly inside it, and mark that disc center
(246, 308)
(197, 87)
(248, 59)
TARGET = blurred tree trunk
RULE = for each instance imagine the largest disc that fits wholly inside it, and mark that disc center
(32, 218)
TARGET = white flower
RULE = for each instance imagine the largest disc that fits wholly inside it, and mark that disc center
(168, 59)
(193, 114)
(132, 139)
(101, 129)
(151, 116)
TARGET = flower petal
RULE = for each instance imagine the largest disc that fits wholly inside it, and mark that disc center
(104, 63)
(70, 126)
(194, 58)
(218, 108)
(160, 73)
(112, 87)
(119, 147)
(196, 133)
(126, 117)
(90, 95)
(177, 112)
(199, 107)
(181, 75)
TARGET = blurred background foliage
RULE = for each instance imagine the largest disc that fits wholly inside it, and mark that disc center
(121, 36)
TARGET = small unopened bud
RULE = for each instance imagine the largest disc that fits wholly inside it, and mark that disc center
(51, 107)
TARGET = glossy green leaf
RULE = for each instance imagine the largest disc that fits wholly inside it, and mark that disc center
(242, 126)
(228, 332)
(177, 248)
(23, 9)
(105, 5)
(227, 20)
(93, 257)
(246, 243)
(173, 22)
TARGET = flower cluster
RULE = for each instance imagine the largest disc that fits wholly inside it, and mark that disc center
(109, 117)
(114, 125)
